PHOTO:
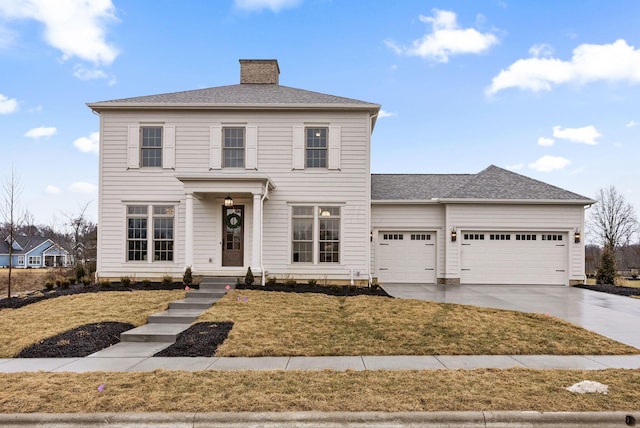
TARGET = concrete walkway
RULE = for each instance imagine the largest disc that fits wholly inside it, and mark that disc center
(615, 317)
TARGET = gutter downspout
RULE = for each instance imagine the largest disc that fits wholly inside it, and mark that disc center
(368, 247)
(264, 196)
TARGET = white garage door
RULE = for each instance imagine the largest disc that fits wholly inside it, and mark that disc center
(406, 257)
(514, 258)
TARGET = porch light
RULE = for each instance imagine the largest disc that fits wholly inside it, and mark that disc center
(228, 202)
(454, 235)
(576, 237)
(325, 213)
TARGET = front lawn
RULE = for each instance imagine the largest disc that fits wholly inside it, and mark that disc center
(291, 324)
(32, 323)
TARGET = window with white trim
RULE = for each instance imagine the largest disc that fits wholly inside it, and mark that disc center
(151, 146)
(141, 239)
(20, 260)
(316, 147)
(233, 146)
(315, 234)
(34, 261)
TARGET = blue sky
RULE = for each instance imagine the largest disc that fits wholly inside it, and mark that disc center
(548, 89)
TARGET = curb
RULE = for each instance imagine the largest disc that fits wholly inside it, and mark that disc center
(320, 419)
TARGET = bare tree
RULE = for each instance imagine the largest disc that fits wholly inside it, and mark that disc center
(9, 209)
(80, 228)
(613, 220)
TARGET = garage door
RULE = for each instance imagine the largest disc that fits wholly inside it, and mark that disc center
(406, 257)
(514, 258)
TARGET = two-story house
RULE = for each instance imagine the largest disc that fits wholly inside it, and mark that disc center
(278, 179)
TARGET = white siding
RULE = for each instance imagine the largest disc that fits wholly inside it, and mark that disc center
(197, 151)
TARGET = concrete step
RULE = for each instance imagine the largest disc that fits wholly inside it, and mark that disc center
(205, 294)
(156, 332)
(218, 280)
(201, 304)
(175, 316)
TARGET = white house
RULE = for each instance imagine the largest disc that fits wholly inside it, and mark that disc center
(278, 179)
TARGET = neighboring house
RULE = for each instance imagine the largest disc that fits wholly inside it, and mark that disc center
(278, 179)
(33, 252)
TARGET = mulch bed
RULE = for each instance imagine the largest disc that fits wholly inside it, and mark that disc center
(78, 342)
(37, 296)
(331, 290)
(199, 340)
(612, 289)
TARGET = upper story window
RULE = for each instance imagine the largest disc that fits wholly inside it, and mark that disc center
(151, 146)
(316, 148)
(233, 147)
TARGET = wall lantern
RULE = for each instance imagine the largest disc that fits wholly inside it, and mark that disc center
(228, 202)
(454, 235)
(576, 237)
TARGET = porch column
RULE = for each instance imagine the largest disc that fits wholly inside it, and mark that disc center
(188, 232)
(257, 232)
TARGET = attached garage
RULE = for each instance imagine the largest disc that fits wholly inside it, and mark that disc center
(408, 257)
(523, 257)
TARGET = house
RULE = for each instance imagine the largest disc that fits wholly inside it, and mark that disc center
(33, 252)
(278, 179)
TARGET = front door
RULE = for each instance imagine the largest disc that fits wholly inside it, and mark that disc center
(233, 236)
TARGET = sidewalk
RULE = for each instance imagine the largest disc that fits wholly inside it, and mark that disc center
(132, 358)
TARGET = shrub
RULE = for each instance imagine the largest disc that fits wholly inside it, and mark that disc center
(48, 285)
(105, 283)
(271, 280)
(374, 284)
(290, 282)
(187, 278)
(607, 269)
(125, 281)
(312, 282)
(80, 272)
(167, 280)
(86, 280)
(64, 283)
(248, 278)
(72, 280)
(146, 283)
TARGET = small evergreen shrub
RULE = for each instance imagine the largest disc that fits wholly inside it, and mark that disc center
(187, 278)
(248, 278)
(125, 281)
(607, 269)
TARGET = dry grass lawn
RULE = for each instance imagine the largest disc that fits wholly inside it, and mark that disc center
(246, 391)
(32, 323)
(276, 324)
(22, 280)
(624, 282)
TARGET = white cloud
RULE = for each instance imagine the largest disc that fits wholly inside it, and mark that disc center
(273, 5)
(8, 105)
(540, 50)
(546, 142)
(613, 62)
(585, 135)
(446, 39)
(90, 144)
(515, 167)
(84, 73)
(75, 27)
(549, 163)
(632, 123)
(384, 113)
(82, 187)
(52, 190)
(41, 132)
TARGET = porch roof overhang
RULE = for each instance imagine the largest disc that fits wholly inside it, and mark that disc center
(255, 184)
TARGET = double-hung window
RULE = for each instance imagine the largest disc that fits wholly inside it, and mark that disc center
(316, 148)
(151, 146)
(233, 147)
(315, 234)
(150, 229)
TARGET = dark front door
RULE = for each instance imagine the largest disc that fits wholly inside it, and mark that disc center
(233, 236)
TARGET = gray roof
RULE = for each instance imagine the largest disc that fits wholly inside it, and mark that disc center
(241, 95)
(27, 243)
(493, 183)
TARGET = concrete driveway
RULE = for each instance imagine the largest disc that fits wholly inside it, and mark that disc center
(616, 317)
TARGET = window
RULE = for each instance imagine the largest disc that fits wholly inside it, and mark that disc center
(474, 237)
(34, 261)
(316, 148)
(420, 237)
(163, 232)
(151, 146)
(500, 237)
(552, 237)
(140, 238)
(315, 234)
(233, 148)
(526, 237)
(393, 236)
(20, 260)
(136, 233)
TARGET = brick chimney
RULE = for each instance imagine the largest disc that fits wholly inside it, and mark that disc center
(264, 71)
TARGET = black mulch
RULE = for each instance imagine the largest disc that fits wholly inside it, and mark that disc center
(612, 289)
(341, 290)
(78, 342)
(37, 296)
(199, 340)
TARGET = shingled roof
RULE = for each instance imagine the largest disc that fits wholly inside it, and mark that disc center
(238, 96)
(27, 243)
(493, 183)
